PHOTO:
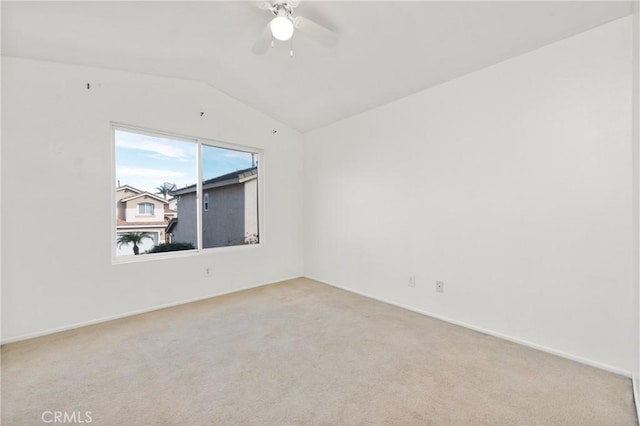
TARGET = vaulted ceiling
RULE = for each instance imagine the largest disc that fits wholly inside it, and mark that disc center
(386, 50)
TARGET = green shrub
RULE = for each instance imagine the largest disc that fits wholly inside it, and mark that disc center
(164, 247)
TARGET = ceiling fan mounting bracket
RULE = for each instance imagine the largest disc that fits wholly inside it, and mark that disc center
(282, 6)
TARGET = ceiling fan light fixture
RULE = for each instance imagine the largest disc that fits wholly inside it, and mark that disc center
(281, 27)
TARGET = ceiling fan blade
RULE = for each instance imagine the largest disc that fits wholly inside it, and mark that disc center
(316, 31)
(265, 5)
(262, 43)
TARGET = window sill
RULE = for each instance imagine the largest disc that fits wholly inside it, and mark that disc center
(117, 260)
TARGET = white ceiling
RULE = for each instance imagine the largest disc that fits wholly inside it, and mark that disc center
(387, 50)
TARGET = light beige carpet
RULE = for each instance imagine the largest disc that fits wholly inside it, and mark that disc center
(300, 352)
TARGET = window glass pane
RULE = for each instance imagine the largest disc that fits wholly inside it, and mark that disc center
(230, 182)
(145, 208)
(149, 172)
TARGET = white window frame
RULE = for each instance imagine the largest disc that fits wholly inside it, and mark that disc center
(199, 250)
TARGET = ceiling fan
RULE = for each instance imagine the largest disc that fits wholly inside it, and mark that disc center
(283, 24)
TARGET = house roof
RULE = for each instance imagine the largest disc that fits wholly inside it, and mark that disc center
(148, 194)
(171, 225)
(131, 188)
(239, 176)
(155, 224)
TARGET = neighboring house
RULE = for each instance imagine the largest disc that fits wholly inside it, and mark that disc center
(173, 205)
(140, 211)
(229, 211)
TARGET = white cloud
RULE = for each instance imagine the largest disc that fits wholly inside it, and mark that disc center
(159, 146)
(147, 173)
(237, 154)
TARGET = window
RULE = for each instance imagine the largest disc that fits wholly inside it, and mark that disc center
(177, 174)
(145, 208)
(230, 178)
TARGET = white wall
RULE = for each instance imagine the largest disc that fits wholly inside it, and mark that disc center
(511, 184)
(56, 134)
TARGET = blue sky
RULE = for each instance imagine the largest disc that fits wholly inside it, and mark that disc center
(146, 162)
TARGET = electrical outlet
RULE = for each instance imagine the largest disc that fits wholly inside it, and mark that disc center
(412, 280)
(207, 272)
(440, 286)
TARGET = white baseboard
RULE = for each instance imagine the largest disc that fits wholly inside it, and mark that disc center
(407, 307)
(542, 348)
(635, 385)
(130, 313)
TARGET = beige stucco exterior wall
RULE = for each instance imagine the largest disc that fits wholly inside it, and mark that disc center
(132, 215)
(251, 208)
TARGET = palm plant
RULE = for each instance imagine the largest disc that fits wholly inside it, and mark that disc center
(166, 189)
(134, 238)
